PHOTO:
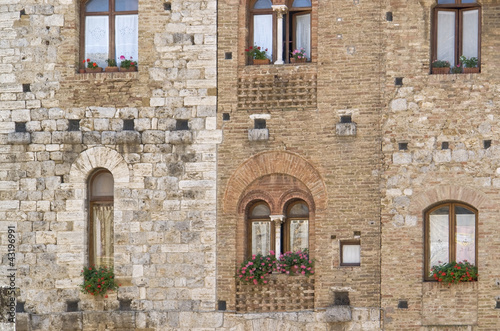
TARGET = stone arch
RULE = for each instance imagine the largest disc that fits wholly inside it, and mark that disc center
(275, 162)
(422, 201)
(99, 157)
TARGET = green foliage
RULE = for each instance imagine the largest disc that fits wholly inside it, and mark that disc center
(111, 62)
(469, 62)
(90, 64)
(296, 262)
(457, 69)
(440, 64)
(298, 54)
(454, 272)
(256, 52)
(127, 63)
(98, 280)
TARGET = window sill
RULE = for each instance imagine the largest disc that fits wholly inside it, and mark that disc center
(107, 75)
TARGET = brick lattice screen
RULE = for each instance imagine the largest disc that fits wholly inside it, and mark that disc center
(289, 91)
(281, 293)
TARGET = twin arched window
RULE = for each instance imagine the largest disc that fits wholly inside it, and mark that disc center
(294, 230)
(101, 225)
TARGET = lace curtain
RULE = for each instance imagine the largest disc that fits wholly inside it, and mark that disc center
(97, 39)
(126, 37)
(439, 239)
(470, 33)
(263, 33)
(103, 234)
(299, 238)
(303, 33)
(446, 36)
(351, 254)
(261, 237)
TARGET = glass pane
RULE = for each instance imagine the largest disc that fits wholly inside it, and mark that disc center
(299, 210)
(351, 254)
(97, 39)
(446, 36)
(439, 234)
(299, 235)
(263, 4)
(127, 37)
(124, 5)
(102, 216)
(470, 34)
(469, 1)
(301, 3)
(260, 211)
(465, 235)
(102, 185)
(443, 2)
(263, 33)
(261, 237)
(303, 33)
(96, 6)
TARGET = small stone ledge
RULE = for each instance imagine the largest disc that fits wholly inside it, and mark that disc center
(258, 134)
(346, 129)
(338, 314)
(19, 138)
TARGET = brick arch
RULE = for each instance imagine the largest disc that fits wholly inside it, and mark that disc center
(99, 157)
(276, 162)
(430, 197)
(296, 194)
(254, 196)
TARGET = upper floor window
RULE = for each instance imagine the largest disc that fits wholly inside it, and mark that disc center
(109, 30)
(295, 24)
(451, 235)
(101, 225)
(261, 232)
(457, 30)
(296, 227)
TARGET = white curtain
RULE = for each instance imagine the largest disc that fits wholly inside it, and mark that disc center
(299, 238)
(103, 234)
(303, 33)
(351, 254)
(263, 33)
(261, 237)
(446, 36)
(126, 37)
(439, 239)
(97, 39)
(466, 237)
(470, 33)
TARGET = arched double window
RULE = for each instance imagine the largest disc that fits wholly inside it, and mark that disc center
(293, 228)
(101, 225)
(109, 30)
(296, 27)
(451, 235)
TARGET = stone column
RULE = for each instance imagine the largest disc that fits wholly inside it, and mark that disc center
(280, 11)
(278, 220)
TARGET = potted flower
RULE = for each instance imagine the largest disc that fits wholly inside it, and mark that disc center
(111, 66)
(257, 54)
(455, 272)
(469, 64)
(298, 56)
(98, 281)
(440, 67)
(127, 64)
(456, 69)
(255, 269)
(92, 66)
(296, 263)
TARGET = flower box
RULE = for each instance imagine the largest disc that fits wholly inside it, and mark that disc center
(441, 71)
(294, 60)
(93, 70)
(128, 69)
(111, 69)
(471, 70)
(260, 61)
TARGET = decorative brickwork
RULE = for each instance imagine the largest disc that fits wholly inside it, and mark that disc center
(281, 293)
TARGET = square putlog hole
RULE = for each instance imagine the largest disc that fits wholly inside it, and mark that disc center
(181, 125)
(341, 299)
(128, 125)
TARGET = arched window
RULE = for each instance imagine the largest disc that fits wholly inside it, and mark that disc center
(101, 225)
(260, 229)
(451, 235)
(457, 30)
(296, 27)
(109, 30)
(296, 227)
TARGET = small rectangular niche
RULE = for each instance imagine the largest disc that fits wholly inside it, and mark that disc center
(228, 55)
(26, 88)
(20, 126)
(341, 299)
(486, 144)
(388, 16)
(221, 305)
(445, 145)
(226, 116)
(398, 81)
(71, 306)
(346, 119)
(181, 125)
(259, 123)
(125, 305)
(128, 125)
(403, 304)
(74, 125)
(167, 6)
(350, 253)
(403, 146)
(497, 305)
(20, 307)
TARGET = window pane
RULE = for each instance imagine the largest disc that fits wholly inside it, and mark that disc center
(442, 2)
(470, 33)
(96, 6)
(465, 235)
(261, 237)
(303, 33)
(124, 5)
(96, 39)
(127, 37)
(263, 33)
(301, 3)
(103, 232)
(351, 254)
(439, 236)
(446, 36)
(260, 211)
(469, 1)
(102, 185)
(299, 235)
(263, 4)
(299, 210)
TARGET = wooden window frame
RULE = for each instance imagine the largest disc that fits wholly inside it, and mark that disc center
(349, 242)
(250, 221)
(285, 227)
(458, 8)
(452, 234)
(289, 25)
(111, 13)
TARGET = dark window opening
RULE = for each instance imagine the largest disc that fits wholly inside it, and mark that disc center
(181, 125)
(74, 125)
(444, 145)
(341, 299)
(403, 146)
(20, 126)
(226, 117)
(128, 125)
(26, 88)
(403, 304)
(345, 119)
(259, 123)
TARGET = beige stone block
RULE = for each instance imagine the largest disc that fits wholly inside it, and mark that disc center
(46, 237)
(9, 205)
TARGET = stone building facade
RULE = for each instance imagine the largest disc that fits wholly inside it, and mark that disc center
(363, 134)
